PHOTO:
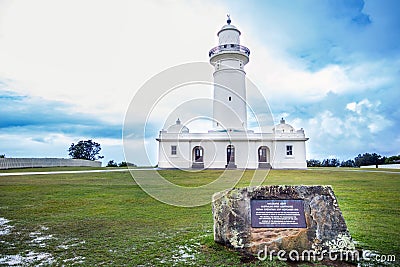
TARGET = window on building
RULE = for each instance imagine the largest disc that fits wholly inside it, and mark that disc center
(230, 98)
(173, 150)
(289, 150)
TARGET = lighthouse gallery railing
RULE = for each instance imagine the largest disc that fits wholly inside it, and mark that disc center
(229, 47)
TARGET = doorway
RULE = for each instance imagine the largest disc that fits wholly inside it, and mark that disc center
(230, 157)
(263, 158)
(198, 157)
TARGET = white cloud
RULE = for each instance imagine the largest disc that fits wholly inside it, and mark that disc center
(352, 106)
(378, 123)
(346, 134)
(358, 107)
(96, 54)
(330, 125)
(282, 76)
(368, 114)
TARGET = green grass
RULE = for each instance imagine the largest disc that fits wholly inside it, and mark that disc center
(109, 220)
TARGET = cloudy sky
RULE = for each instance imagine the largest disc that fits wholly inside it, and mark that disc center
(69, 69)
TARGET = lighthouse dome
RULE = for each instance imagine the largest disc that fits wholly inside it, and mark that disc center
(178, 128)
(284, 127)
(229, 27)
(229, 34)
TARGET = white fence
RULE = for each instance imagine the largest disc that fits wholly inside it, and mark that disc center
(386, 166)
(14, 163)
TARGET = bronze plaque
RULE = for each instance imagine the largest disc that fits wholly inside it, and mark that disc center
(277, 213)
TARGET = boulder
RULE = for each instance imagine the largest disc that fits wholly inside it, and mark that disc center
(324, 230)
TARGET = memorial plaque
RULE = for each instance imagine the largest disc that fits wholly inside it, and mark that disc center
(277, 213)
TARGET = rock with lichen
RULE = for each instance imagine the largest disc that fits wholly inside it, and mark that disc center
(325, 229)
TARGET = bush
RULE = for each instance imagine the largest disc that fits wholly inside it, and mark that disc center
(325, 163)
(126, 164)
(348, 163)
(330, 163)
(313, 163)
(112, 163)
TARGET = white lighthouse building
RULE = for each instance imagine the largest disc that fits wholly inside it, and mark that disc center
(230, 144)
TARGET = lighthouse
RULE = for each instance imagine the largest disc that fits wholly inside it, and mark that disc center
(230, 144)
(229, 59)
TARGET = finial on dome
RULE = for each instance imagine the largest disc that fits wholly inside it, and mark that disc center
(229, 19)
(282, 121)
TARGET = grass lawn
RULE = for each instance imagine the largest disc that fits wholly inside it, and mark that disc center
(95, 219)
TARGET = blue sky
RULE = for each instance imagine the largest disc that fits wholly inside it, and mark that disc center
(69, 69)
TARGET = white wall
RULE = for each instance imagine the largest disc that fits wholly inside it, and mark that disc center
(181, 160)
(296, 161)
(230, 84)
(13, 163)
(386, 166)
(215, 145)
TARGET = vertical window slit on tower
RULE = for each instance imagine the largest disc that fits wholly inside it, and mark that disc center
(230, 98)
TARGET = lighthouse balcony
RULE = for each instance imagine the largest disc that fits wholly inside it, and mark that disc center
(229, 48)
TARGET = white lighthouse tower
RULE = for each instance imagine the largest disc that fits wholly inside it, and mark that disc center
(230, 144)
(229, 59)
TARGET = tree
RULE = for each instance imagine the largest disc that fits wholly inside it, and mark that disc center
(112, 163)
(313, 163)
(2, 156)
(85, 150)
(347, 163)
(392, 159)
(330, 163)
(368, 159)
(123, 164)
(126, 164)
